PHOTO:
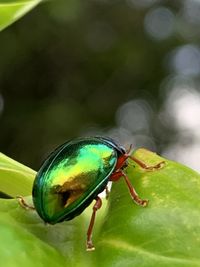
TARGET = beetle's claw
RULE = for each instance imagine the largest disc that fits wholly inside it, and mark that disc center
(144, 203)
(158, 166)
(90, 246)
(141, 202)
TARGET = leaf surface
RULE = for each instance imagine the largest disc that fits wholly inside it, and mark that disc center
(15, 178)
(166, 233)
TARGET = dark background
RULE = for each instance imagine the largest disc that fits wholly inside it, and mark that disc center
(125, 69)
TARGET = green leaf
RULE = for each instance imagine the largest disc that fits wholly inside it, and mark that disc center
(15, 178)
(11, 11)
(165, 233)
(27, 242)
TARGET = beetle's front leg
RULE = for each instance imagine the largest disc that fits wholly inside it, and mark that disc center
(146, 167)
(117, 175)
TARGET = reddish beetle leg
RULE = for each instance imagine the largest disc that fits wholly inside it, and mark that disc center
(146, 167)
(117, 175)
(23, 203)
(97, 206)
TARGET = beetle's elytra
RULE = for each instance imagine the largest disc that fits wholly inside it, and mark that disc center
(73, 176)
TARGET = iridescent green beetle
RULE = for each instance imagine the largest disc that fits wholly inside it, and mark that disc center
(75, 174)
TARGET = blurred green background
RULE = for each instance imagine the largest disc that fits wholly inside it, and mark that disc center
(126, 69)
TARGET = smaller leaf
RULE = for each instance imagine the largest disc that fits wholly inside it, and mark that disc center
(15, 178)
(11, 11)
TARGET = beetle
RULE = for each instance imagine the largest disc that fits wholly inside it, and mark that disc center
(74, 175)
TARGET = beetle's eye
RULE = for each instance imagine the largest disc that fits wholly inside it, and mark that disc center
(123, 150)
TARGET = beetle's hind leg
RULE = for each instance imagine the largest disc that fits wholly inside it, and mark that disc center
(23, 203)
(97, 206)
(107, 192)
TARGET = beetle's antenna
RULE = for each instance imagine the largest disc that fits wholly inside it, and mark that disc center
(129, 149)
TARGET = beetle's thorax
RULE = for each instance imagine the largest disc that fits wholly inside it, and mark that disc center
(122, 161)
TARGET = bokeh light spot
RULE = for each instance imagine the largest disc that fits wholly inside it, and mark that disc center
(191, 11)
(185, 60)
(181, 114)
(184, 106)
(134, 115)
(159, 23)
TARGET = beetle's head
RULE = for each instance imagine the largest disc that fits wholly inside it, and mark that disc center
(123, 155)
(121, 150)
(124, 151)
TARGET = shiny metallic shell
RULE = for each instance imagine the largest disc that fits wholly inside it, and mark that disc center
(72, 176)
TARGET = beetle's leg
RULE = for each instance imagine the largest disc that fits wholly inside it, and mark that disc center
(97, 205)
(107, 191)
(117, 175)
(23, 203)
(146, 167)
